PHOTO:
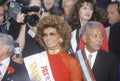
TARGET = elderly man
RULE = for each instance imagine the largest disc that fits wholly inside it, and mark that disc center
(10, 70)
(102, 66)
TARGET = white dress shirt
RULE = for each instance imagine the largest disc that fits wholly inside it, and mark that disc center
(94, 54)
(4, 66)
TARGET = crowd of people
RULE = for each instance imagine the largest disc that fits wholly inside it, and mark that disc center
(59, 40)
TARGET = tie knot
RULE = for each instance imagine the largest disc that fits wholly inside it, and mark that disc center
(90, 55)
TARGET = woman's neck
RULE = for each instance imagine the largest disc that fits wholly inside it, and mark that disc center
(83, 22)
(55, 51)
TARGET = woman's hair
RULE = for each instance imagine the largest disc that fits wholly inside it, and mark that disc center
(62, 28)
(98, 14)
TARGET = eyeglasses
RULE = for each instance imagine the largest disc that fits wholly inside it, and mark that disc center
(49, 34)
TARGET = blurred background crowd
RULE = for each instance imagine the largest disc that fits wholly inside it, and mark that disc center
(19, 18)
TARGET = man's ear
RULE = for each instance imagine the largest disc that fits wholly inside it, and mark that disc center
(84, 38)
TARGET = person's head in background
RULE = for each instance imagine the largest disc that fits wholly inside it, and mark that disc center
(2, 12)
(5, 3)
(3, 9)
(34, 15)
(51, 7)
(48, 4)
(6, 46)
(92, 35)
(113, 11)
(83, 11)
(36, 3)
(86, 11)
(53, 33)
(30, 12)
(67, 6)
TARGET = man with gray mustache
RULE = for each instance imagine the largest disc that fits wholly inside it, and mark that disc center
(101, 65)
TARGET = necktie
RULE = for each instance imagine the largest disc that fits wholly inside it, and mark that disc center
(90, 59)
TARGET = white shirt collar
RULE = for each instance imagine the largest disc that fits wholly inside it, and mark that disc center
(4, 66)
(93, 57)
(6, 61)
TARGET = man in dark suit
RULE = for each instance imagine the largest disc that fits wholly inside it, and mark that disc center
(113, 11)
(103, 65)
(10, 70)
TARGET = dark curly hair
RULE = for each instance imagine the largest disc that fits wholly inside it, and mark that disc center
(63, 29)
(98, 14)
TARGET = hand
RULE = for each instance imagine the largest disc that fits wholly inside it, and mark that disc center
(17, 59)
(20, 17)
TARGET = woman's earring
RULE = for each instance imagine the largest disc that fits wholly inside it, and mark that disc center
(61, 40)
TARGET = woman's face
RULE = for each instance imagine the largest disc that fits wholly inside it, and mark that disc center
(51, 38)
(86, 11)
(48, 4)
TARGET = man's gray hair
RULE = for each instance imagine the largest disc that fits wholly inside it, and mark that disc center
(7, 40)
(89, 24)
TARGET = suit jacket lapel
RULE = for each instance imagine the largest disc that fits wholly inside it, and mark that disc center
(7, 74)
(97, 63)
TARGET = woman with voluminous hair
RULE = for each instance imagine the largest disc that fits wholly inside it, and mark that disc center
(53, 64)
